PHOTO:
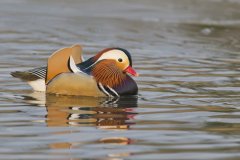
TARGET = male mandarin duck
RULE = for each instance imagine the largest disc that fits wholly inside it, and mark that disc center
(104, 74)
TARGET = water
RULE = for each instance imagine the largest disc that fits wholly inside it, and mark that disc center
(187, 53)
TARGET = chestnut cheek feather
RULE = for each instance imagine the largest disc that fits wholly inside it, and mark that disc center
(107, 73)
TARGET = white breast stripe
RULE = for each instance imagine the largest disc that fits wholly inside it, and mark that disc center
(102, 88)
(111, 89)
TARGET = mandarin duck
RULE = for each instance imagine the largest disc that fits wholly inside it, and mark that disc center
(105, 74)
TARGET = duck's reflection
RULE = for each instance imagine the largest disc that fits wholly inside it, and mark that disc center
(104, 113)
(100, 112)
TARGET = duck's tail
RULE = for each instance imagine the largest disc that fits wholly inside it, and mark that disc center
(35, 78)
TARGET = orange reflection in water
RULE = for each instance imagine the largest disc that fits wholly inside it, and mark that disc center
(102, 113)
(87, 111)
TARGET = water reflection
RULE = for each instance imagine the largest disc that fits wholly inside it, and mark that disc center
(104, 113)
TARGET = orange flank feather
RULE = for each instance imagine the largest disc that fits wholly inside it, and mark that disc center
(107, 73)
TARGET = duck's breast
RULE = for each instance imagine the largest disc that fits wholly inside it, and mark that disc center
(128, 87)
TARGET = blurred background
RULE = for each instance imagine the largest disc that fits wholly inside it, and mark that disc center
(187, 54)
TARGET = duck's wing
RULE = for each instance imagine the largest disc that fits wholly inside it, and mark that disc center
(64, 77)
(58, 62)
(36, 77)
(31, 75)
(40, 72)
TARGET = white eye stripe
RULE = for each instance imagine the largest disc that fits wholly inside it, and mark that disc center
(114, 54)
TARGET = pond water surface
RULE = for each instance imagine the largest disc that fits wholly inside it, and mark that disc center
(187, 54)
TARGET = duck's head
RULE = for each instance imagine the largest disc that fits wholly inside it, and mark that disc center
(121, 57)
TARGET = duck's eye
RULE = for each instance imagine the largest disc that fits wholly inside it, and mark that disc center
(120, 60)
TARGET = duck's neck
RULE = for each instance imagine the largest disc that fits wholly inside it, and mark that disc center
(107, 73)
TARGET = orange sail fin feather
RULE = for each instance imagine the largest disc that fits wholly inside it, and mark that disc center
(58, 61)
